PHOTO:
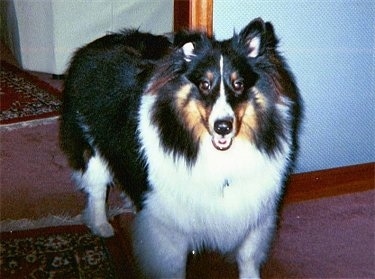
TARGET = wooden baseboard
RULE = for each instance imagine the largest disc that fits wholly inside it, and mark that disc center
(330, 182)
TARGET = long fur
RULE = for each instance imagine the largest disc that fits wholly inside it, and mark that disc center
(202, 135)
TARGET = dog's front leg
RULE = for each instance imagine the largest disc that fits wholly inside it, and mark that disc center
(160, 251)
(254, 250)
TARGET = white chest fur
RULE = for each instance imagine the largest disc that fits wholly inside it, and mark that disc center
(224, 190)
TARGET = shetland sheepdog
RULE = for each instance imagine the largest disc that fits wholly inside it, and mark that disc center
(200, 133)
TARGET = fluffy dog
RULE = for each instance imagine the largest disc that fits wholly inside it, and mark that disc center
(201, 133)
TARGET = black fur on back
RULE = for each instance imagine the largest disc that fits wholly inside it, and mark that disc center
(102, 92)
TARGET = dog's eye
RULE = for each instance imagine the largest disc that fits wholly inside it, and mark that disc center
(238, 85)
(204, 85)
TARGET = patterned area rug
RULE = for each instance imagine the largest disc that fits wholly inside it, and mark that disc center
(24, 97)
(64, 252)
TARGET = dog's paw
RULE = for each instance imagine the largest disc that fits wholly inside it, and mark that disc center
(103, 230)
(98, 226)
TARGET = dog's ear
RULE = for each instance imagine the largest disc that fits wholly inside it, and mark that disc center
(253, 37)
(182, 43)
(188, 50)
(271, 39)
(190, 43)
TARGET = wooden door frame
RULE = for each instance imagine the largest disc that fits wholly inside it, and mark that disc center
(193, 14)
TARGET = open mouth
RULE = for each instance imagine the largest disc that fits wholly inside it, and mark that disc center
(221, 143)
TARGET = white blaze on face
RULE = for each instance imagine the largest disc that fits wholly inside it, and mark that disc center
(222, 89)
(221, 111)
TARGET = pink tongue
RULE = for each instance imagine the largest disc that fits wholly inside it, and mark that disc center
(221, 144)
(222, 141)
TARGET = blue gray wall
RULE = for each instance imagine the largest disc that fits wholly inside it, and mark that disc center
(330, 46)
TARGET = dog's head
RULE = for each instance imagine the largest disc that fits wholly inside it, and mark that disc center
(237, 89)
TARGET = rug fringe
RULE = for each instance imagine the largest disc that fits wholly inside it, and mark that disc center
(53, 221)
(28, 124)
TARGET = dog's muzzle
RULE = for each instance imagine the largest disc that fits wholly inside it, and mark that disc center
(223, 134)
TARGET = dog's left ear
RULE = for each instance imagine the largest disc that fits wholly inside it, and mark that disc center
(253, 37)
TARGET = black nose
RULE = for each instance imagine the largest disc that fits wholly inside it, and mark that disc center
(223, 127)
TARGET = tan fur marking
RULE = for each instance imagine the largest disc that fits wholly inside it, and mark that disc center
(247, 121)
(195, 118)
(259, 98)
(247, 117)
(193, 112)
(234, 76)
(210, 75)
(182, 95)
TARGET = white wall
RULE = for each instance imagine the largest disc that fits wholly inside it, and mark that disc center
(330, 46)
(45, 33)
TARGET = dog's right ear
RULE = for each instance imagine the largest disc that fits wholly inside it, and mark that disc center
(189, 43)
(188, 50)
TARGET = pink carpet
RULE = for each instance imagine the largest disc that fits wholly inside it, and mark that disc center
(328, 238)
(35, 178)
